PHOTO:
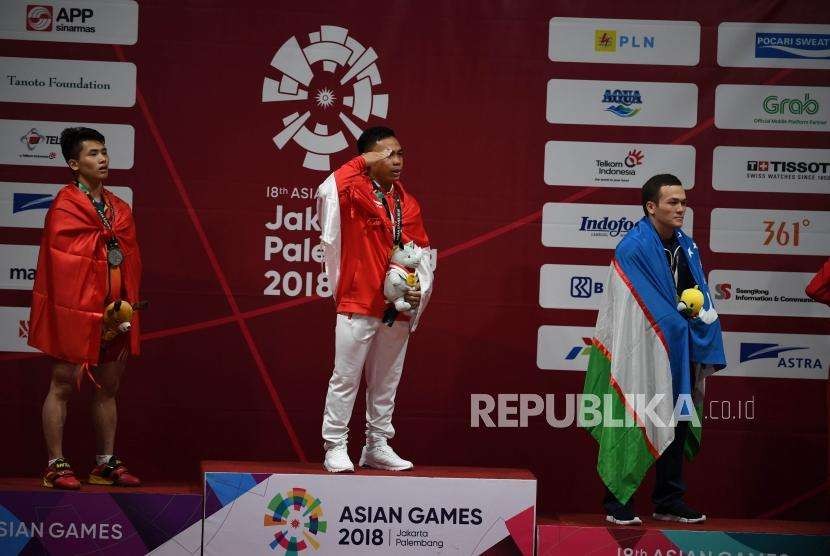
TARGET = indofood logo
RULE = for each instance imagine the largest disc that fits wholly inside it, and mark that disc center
(298, 515)
(774, 105)
(38, 18)
(329, 83)
(621, 101)
(606, 226)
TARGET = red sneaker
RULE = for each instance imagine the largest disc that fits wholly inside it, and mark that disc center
(114, 472)
(60, 475)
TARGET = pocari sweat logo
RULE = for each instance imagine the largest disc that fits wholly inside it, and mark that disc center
(814, 46)
(327, 84)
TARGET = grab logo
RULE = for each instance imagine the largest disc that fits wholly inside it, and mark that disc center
(328, 88)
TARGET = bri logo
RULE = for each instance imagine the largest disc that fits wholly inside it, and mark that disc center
(576, 351)
(753, 351)
(22, 202)
(584, 287)
(621, 101)
(811, 46)
(605, 226)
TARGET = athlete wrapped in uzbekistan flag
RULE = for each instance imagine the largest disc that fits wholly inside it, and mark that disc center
(648, 361)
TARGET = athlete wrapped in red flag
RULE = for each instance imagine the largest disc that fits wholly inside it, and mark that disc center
(88, 258)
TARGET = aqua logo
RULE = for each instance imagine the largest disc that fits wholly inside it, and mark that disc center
(621, 101)
(775, 105)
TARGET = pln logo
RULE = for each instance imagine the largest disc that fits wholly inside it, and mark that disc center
(752, 352)
(583, 287)
(634, 158)
(576, 351)
(297, 516)
(605, 40)
(38, 18)
(329, 90)
(723, 290)
(621, 101)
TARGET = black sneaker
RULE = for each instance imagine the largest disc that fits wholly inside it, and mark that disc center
(679, 512)
(623, 516)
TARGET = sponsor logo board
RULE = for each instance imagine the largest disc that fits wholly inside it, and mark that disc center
(625, 103)
(563, 348)
(776, 355)
(78, 82)
(581, 163)
(14, 329)
(771, 169)
(624, 41)
(774, 45)
(593, 226)
(17, 266)
(785, 108)
(779, 232)
(572, 286)
(37, 143)
(24, 205)
(781, 294)
(110, 22)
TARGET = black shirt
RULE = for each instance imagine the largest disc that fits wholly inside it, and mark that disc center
(679, 265)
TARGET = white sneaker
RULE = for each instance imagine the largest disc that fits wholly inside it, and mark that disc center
(383, 457)
(337, 460)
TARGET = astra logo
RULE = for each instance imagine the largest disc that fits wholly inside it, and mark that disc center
(38, 18)
(22, 202)
(576, 351)
(605, 226)
(723, 290)
(621, 101)
(774, 105)
(752, 352)
(792, 45)
(585, 287)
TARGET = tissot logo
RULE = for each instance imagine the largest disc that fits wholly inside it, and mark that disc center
(788, 166)
(723, 291)
(38, 18)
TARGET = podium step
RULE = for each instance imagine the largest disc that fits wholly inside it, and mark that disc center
(566, 535)
(262, 507)
(95, 519)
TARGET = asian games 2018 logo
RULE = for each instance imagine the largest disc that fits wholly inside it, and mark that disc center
(298, 515)
(333, 75)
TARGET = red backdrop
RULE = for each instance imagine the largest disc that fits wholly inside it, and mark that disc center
(466, 84)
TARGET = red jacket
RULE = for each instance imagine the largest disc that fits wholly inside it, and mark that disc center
(819, 286)
(366, 238)
(72, 275)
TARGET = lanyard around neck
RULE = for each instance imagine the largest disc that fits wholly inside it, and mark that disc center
(397, 221)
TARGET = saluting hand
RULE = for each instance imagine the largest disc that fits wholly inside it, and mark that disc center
(374, 156)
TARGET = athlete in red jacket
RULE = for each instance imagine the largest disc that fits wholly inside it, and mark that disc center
(364, 212)
(88, 257)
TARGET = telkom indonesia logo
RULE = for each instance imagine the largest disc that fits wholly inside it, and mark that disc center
(294, 513)
(333, 75)
(38, 18)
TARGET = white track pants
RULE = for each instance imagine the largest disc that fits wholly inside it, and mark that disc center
(364, 342)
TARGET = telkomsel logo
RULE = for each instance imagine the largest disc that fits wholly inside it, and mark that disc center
(792, 45)
(298, 515)
(723, 290)
(584, 287)
(333, 75)
(38, 18)
(576, 351)
(753, 351)
(21, 202)
(621, 101)
(33, 139)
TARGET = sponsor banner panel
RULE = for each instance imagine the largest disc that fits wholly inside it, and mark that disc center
(61, 523)
(563, 348)
(79, 82)
(14, 329)
(626, 103)
(563, 286)
(17, 266)
(37, 143)
(781, 294)
(624, 41)
(567, 540)
(758, 354)
(771, 169)
(93, 21)
(583, 225)
(581, 163)
(363, 514)
(773, 45)
(785, 108)
(24, 205)
(779, 232)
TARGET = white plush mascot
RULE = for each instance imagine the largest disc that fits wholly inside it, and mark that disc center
(401, 278)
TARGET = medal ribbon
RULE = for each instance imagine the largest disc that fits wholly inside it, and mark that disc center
(397, 221)
(112, 242)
